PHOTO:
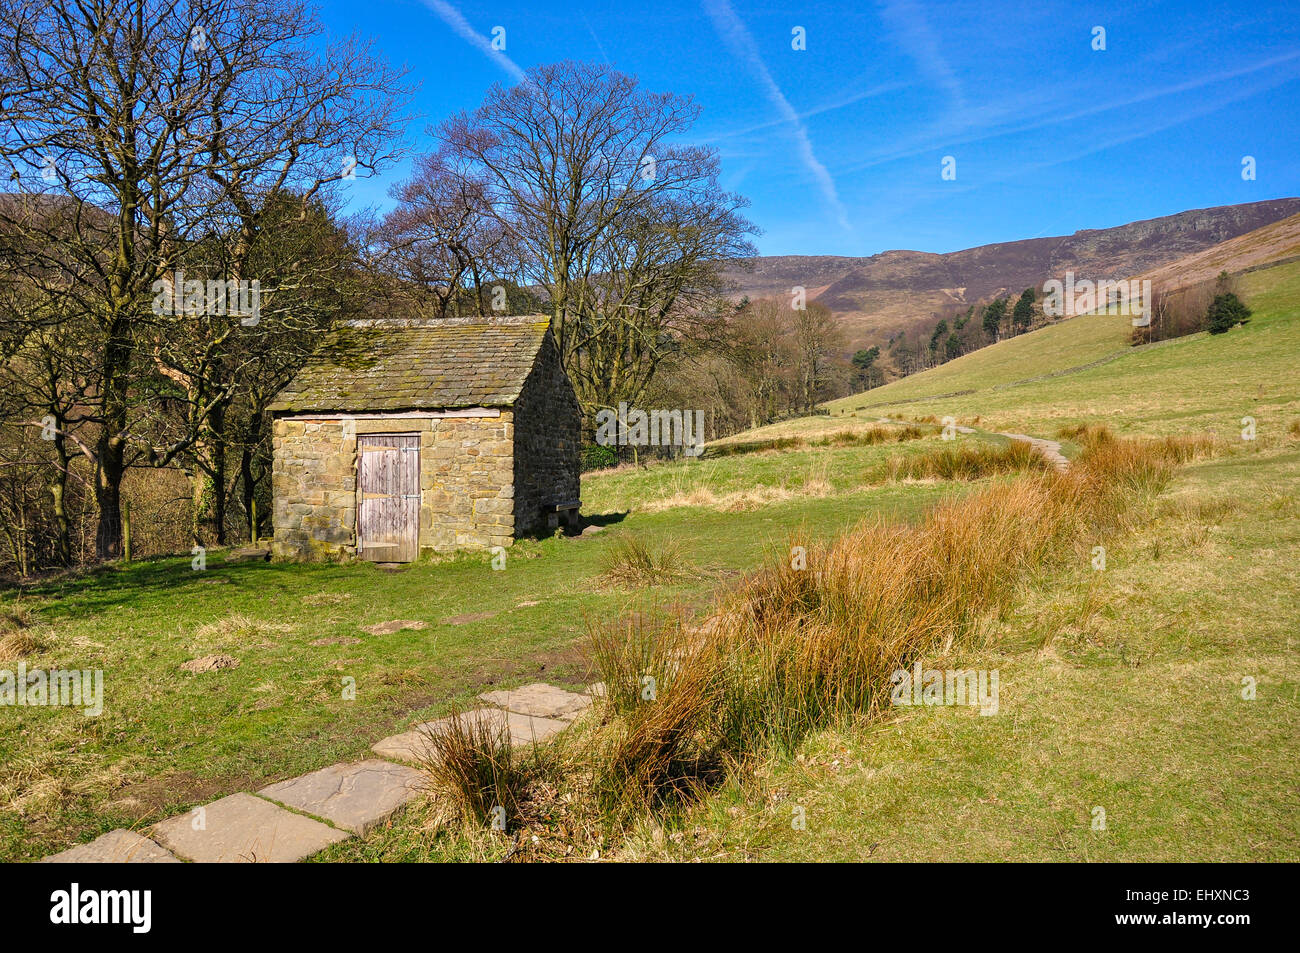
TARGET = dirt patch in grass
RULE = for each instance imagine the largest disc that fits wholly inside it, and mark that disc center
(210, 663)
(153, 797)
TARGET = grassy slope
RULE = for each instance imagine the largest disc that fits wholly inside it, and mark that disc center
(1119, 690)
(1200, 382)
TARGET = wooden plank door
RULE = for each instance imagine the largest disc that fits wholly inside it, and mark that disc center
(388, 511)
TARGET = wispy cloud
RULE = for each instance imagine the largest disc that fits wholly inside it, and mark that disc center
(906, 22)
(595, 39)
(839, 103)
(742, 44)
(452, 17)
(996, 121)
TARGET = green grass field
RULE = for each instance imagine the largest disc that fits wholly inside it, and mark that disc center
(169, 739)
(1120, 689)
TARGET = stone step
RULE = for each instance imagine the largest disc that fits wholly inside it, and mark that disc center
(356, 797)
(242, 828)
(540, 700)
(413, 745)
(116, 847)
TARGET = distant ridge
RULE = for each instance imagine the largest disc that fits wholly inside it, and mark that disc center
(881, 295)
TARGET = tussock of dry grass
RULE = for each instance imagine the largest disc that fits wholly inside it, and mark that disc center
(471, 764)
(635, 561)
(18, 645)
(1086, 434)
(19, 634)
(968, 462)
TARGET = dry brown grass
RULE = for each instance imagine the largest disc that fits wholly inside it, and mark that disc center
(1086, 434)
(968, 462)
(18, 645)
(794, 650)
(858, 437)
(239, 629)
(471, 764)
(19, 634)
(869, 436)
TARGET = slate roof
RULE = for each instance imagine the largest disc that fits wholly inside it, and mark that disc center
(392, 365)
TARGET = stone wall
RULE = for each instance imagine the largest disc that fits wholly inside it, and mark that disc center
(548, 434)
(466, 482)
(467, 497)
(314, 488)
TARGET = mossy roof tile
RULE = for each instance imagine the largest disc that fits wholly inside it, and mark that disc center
(417, 365)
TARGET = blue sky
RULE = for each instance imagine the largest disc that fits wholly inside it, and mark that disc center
(839, 147)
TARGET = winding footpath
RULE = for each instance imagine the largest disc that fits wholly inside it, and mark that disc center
(1050, 449)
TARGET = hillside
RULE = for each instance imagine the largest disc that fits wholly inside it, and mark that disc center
(897, 291)
(1272, 244)
(1084, 369)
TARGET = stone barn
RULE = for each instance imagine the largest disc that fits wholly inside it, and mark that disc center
(402, 437)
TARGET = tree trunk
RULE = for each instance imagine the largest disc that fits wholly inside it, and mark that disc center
(110, 454)
(58, 490)
(208, 481)
(247, 487)
(108, 494)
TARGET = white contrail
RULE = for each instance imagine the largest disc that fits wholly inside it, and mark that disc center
(452, 17)
(742, 44)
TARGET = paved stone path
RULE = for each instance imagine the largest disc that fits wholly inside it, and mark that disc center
(279, 824)
(243, 827)
(356, 797)
(115, 847)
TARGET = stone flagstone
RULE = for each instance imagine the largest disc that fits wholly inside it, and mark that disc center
(540, 700)
(116, 847)
(357, 797)
(413, 745)
(244, 828)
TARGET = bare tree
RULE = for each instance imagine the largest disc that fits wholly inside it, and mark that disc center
(443, 240)
(583, 170)
(137, 129)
